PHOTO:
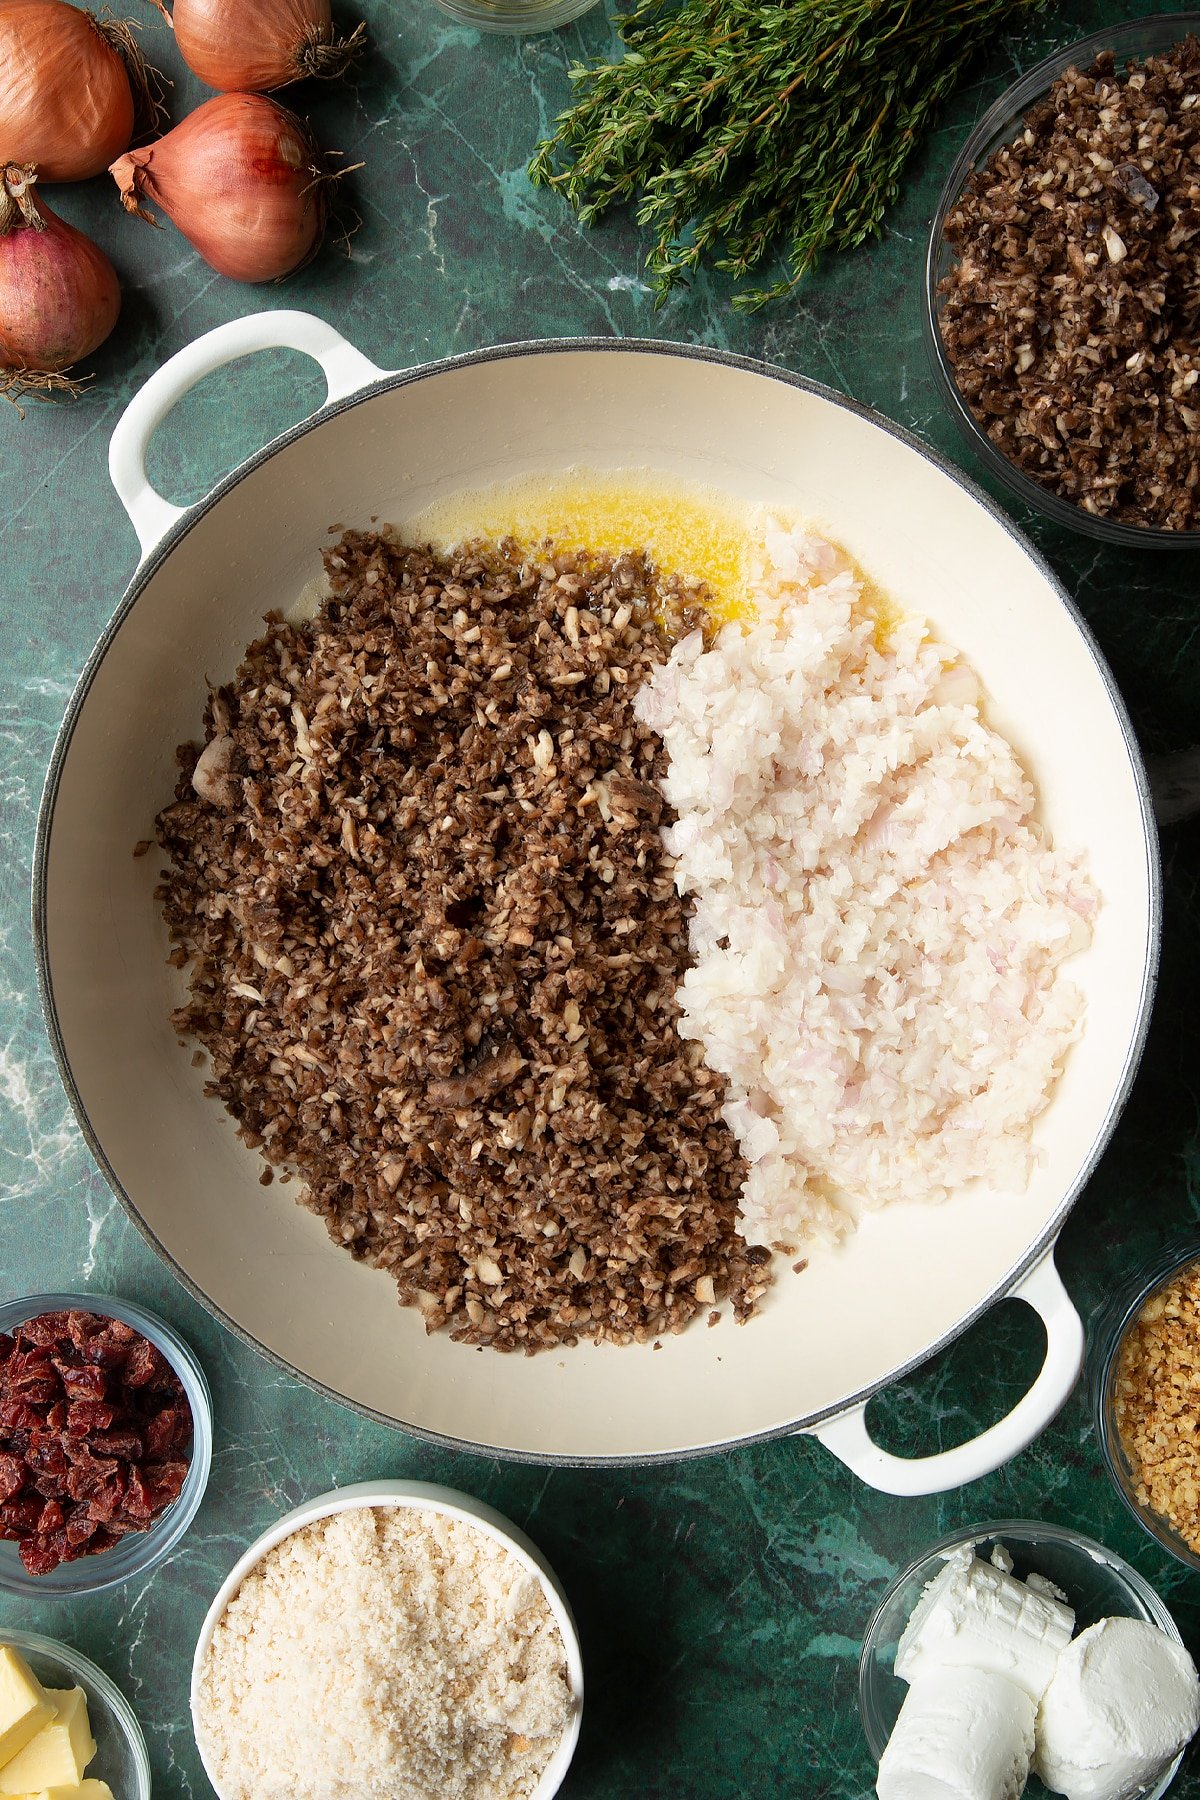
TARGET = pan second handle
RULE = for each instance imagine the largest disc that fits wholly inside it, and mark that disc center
(346, 370)
(847, 1436)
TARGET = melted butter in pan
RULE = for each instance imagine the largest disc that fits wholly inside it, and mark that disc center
(690, 532)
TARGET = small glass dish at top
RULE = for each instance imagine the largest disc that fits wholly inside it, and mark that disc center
(1097, 1582)
(515, 17)
(139, 1551)
(1108, 1337)
(999, 126)
(121, 1758)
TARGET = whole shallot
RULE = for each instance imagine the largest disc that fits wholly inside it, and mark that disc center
(248, 46)
(71, 88)
(59, 297)
(244, 181)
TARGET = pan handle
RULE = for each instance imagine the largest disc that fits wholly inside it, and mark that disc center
(847, 1436)
(346, 370)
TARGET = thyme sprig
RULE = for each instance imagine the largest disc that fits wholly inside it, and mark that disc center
(739, 129)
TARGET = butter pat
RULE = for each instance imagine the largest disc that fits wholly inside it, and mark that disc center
(59, 1752)
(87, 1790)
(977, 1615)
(24, 1707)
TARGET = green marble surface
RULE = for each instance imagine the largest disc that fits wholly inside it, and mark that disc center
(721, 1602)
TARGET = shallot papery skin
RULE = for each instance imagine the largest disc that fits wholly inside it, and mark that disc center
(59, 296)
(65, 100)
(248, 46)
(243, 180)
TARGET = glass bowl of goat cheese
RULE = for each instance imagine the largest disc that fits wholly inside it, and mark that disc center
(1047, 1609)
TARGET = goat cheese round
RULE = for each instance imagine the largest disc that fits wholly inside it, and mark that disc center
(962, 1734)
(1124, 1700)
(977, 1614)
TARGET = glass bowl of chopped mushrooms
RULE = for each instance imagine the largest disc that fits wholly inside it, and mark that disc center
(1146, 1397)
(1056, 283)
(105, 1442)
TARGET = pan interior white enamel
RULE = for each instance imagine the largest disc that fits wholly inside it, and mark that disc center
(856, 1314)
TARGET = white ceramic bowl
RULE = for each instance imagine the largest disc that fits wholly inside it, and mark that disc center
(419, 1496)
(391, 446)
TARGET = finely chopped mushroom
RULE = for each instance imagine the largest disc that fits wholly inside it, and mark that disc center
(1070, 314)
(434, 943)
(385, 1653)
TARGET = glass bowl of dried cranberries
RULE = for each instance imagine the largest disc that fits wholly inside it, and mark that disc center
(105, 1442)
(1056, 279)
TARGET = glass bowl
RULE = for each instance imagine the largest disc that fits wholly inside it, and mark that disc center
(139, 1551)
(1000, 125)
(120, 1757)
(515, 16)
(1097, 1582)
(1108, 1336)
(421, 1496)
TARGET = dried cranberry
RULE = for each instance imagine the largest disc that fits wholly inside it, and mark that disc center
(165, 1481)
(106, 1499)
(12, 1477)
(119, 1442)
(167, 1430)
(138, 1502)
(15, 1415)
(145, 1365)
(19, 1517)
(7, 1346)
(86, 1417)
(82, 1381)
(24, 1366)
(45, 1454)
(46, 1330)
(81, 1326)
(81, 1529)
(87, 1471)
(39, 1555)
(52, 1517)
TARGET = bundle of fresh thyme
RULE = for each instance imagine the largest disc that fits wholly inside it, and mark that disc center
(750, 127)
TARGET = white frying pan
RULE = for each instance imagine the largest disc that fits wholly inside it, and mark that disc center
(389, 445)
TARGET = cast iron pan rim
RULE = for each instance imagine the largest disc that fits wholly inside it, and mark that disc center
(553, 346)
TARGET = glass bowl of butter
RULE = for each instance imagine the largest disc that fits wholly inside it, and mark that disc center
(64, 1726)
(1060, 1582)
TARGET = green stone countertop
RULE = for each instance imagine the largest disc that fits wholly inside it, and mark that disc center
(721, 1601)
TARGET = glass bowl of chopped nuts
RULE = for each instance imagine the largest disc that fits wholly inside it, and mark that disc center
(1146, 1397)
(1056, 278)
(105, 1442)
